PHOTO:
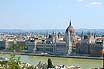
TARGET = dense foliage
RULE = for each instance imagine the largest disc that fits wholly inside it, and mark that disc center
(17, 47)
(13, 63)
(50, 63)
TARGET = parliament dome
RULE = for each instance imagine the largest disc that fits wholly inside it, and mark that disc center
(70, 28)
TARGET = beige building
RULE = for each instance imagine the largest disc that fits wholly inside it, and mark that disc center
(9, 43)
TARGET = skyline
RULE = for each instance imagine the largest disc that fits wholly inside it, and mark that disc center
(53, 14)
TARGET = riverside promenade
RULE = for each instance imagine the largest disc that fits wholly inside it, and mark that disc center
(47, 55)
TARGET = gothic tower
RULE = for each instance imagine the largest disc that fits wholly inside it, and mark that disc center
(69, 34)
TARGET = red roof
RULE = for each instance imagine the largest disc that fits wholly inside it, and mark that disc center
(100, 38)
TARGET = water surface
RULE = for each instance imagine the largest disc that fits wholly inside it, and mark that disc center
(83, 63)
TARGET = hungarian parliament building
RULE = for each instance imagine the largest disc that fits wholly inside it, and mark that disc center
(56, 43)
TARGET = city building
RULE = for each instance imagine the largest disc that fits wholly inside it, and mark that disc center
(9, 43)
(2, 44)
(55, 43)
(90, 45)
(31, 44)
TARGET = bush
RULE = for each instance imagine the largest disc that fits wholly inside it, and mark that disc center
(50, 63)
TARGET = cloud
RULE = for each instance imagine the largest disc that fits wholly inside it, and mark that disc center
(95, 4)
(79, 0)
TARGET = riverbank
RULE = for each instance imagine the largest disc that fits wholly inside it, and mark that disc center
(47, 55)
(83, 63)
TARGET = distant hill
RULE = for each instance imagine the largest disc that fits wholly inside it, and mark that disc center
(11, 30)
(51, 30)
(22, 30)
(90, 30)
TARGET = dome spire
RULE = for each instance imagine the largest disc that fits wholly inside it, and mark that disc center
(70, 23)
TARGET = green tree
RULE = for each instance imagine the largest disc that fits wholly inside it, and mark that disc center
(13, 63)
(50, 63)
(18, 47)
(4, 64)
(30, 67)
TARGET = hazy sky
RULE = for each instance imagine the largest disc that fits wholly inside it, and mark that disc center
(51, 14)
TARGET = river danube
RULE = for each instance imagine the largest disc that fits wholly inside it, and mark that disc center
(83, 63)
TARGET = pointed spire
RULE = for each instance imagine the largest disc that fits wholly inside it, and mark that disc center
(70, 23)
(82, 35)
